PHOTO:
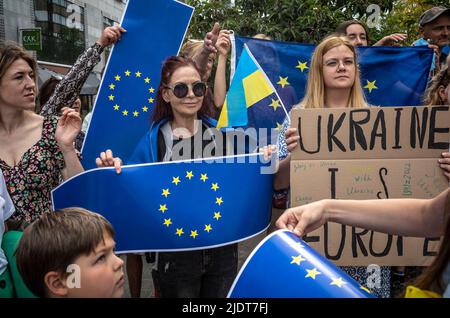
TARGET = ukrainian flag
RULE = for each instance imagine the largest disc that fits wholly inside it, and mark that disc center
(249, 87)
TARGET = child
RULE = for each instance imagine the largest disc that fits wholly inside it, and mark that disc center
(6, 210)
(70, 253)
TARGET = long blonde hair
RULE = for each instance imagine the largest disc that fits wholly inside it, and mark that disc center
(432, 96)
(315, 91)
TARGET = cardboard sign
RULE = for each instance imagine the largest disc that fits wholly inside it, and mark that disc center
(372, 153)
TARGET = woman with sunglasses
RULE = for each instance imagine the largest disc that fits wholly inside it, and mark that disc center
(182, 112)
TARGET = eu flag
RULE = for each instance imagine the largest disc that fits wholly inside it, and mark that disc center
(283, 266)
(390, 76)
(121, 115)
(176, 205)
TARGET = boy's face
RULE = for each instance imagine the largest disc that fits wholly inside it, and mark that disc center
(101, 273)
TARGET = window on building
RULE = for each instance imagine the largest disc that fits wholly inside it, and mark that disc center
(62, 24)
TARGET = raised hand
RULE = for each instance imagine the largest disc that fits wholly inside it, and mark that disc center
(69, 126)
(110, 35)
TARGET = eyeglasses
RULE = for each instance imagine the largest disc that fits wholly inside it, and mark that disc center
(181, 90)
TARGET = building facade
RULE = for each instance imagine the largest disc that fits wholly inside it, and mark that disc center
(68, 26)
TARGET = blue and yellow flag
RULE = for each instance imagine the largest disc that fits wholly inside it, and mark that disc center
(390, 76)
(176, 205)
(283, 266)
(252, 100)
(121, 115)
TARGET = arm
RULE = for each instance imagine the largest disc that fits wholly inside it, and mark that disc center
(408, 217)
(220, 86)
(209, 46)
(69, 125)
(391, 39)
(68, 89)
(107, 159)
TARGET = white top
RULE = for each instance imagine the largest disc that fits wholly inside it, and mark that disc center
(6, 210)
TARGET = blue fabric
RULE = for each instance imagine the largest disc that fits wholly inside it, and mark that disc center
(423, 42)
(212, 204)
(446, 280)
(121, 115)
(146, 150)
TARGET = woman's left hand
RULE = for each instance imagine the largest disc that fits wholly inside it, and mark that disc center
(444, 163)
(69, 126)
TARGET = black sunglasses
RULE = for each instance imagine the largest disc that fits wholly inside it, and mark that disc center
(181, 90)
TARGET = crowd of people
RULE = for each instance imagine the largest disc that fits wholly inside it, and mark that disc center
(40, 143)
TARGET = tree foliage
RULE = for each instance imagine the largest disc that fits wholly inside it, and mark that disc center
(306, 21)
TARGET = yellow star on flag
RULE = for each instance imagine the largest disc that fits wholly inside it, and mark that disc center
(111, 97)
(208, 228)
(189, 175)
(127, 73)
(167, 222)
(116, 107)
(297, 259)
(194, 234)
(150, 100)
(283, 81)
(275, 104)
(151, 89)
(138, 74)
(219, 200)
(163, 208)
(179, 232)
(215, 186)
(145, 109)
(135, 113)
(371, 85)
(338, 282)
(147, 80)
(117, 77)
(203, 177)
(302, 66)
(312, 273)
(112, 86)
(165, 192)
(176, 180)
(217, 215)
(279, 126)
(125, 112)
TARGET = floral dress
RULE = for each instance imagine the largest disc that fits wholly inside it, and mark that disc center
(31, 181)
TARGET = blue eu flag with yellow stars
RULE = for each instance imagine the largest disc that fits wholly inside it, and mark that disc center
(390, 76)
(121, 115)
(176, 205)
(283, 266)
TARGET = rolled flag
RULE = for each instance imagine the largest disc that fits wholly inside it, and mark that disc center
(283, 266)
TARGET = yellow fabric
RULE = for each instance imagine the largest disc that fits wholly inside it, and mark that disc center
(414, 292)
(256, 88)
(223, 119)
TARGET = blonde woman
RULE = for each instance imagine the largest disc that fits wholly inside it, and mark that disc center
(333, 82)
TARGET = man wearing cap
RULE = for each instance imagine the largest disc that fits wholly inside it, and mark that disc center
(435, 30)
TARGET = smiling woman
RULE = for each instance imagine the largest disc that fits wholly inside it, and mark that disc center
(35, 152)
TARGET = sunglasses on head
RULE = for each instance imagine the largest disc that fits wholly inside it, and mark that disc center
(181, 90)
